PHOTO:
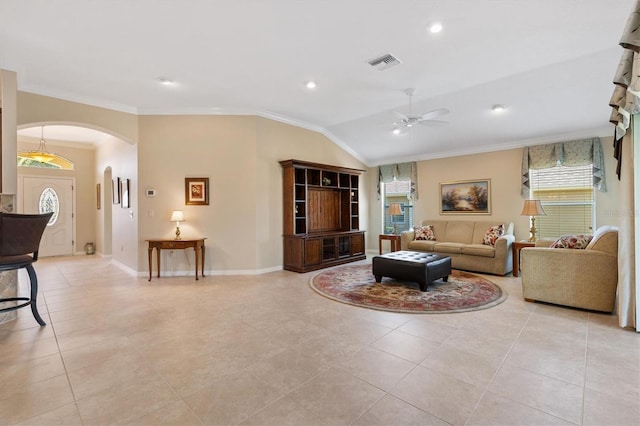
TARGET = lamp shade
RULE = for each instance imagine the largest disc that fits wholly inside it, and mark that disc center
(394, 209)
(177, 216)
(532, 208)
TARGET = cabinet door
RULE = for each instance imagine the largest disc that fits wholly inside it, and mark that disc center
(312, 251)
(357, 244)
(328, 248)
(344, 246)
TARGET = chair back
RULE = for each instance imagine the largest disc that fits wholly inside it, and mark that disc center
(21, 233)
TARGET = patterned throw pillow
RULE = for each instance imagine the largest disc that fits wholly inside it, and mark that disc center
(572, 241)
(492, 234)
(425, 233)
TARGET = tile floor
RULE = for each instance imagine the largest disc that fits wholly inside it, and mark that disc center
(267, 350)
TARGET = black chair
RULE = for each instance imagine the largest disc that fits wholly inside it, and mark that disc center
(20, 236)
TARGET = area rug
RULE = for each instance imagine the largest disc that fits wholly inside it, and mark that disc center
(356, 285)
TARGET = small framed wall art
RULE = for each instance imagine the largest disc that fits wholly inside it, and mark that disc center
(196, 191)
(115, 191)
(98, 196)
(466, 197)
(124, 197)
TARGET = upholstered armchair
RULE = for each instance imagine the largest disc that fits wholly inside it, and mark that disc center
(582, 278)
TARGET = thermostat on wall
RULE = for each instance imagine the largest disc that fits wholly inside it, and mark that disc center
(150, 193)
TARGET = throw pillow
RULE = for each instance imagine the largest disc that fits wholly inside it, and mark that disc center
(572, 241)
(425, 233)
(492, 234)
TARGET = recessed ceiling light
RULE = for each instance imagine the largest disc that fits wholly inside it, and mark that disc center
(498, 108)
(311, 85)
(436, 27)
(165, 81)
(396, 131)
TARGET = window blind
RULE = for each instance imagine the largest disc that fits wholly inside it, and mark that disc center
(566, 194)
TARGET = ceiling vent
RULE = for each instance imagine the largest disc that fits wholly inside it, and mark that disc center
(384, 62)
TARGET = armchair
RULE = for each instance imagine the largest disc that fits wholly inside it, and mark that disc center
(586, 278)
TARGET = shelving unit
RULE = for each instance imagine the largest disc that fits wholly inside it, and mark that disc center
(320, 215)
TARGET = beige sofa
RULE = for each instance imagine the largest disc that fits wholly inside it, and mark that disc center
(462, 241)
(581, 278)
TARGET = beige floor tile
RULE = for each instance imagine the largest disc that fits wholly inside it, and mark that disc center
(427, 328)
(287, 370)
(439, 395)
(406, 346)
(553, 396)
(125, 403)
(605, 409)
(392, 411)
(115, 372)
(496, 410)
(173, 414)
(35, 399)
(283, 412)
(67, 415)
(566, 362)
(336, 397)
(231, 399)
(225, 349)
(16, 377)
(609, 371)
(377, 367)
(466, 366)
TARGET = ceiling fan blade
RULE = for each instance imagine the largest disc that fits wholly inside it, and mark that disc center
(400, 115)
(434, 114)
(433, 123)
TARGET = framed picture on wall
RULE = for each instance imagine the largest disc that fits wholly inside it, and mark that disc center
(196, 191)
(124, 197)
(115, 191)
(98, 196)
(466, 197)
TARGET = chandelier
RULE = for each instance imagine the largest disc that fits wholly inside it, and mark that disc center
(41, 154)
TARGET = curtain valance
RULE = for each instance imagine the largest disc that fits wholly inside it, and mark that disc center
(572, 153)
(400, 171)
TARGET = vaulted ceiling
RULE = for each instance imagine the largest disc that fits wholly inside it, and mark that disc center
(549, 62)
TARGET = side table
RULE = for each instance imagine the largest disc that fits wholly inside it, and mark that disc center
(393, 239)
(197, 244)
(515, 250)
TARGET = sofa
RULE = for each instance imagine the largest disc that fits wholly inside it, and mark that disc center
(581, 278)
(463, 241)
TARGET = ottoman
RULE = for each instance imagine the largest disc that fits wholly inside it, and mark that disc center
(419, 267)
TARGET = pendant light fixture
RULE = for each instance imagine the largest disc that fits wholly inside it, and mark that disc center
(41, 154)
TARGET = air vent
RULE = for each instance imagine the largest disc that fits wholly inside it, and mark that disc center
(384, 62)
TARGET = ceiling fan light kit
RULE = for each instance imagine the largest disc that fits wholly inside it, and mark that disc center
(426, 119)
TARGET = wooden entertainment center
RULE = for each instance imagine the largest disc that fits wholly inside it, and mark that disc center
(320, 212)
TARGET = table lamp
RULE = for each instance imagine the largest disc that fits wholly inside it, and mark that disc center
(394, 210)
(177, 216)
(533, 208)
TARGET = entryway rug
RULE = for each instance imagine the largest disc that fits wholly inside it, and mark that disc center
(356, 285)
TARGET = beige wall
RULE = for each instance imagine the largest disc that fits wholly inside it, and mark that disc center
(239, 155)
(503, 168)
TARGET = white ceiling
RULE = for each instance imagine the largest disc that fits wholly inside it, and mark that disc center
(550, 62)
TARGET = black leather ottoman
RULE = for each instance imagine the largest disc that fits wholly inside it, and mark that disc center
(419, 267)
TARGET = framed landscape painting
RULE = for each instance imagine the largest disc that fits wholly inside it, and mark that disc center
(196, 191)
(466, 197)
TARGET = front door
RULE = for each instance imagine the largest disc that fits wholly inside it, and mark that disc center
(42, 194)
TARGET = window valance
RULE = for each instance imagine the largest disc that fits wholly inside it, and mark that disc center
(573, 153)
(400, 171)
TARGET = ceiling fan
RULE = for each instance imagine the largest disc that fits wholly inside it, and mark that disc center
(426, 119)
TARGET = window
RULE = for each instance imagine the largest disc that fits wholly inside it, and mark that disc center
(397, 191)
(566, 194)
(49, 203)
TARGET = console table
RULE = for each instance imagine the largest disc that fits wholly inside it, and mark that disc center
(197, 244)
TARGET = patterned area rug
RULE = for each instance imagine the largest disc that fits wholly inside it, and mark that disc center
(356, 285)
